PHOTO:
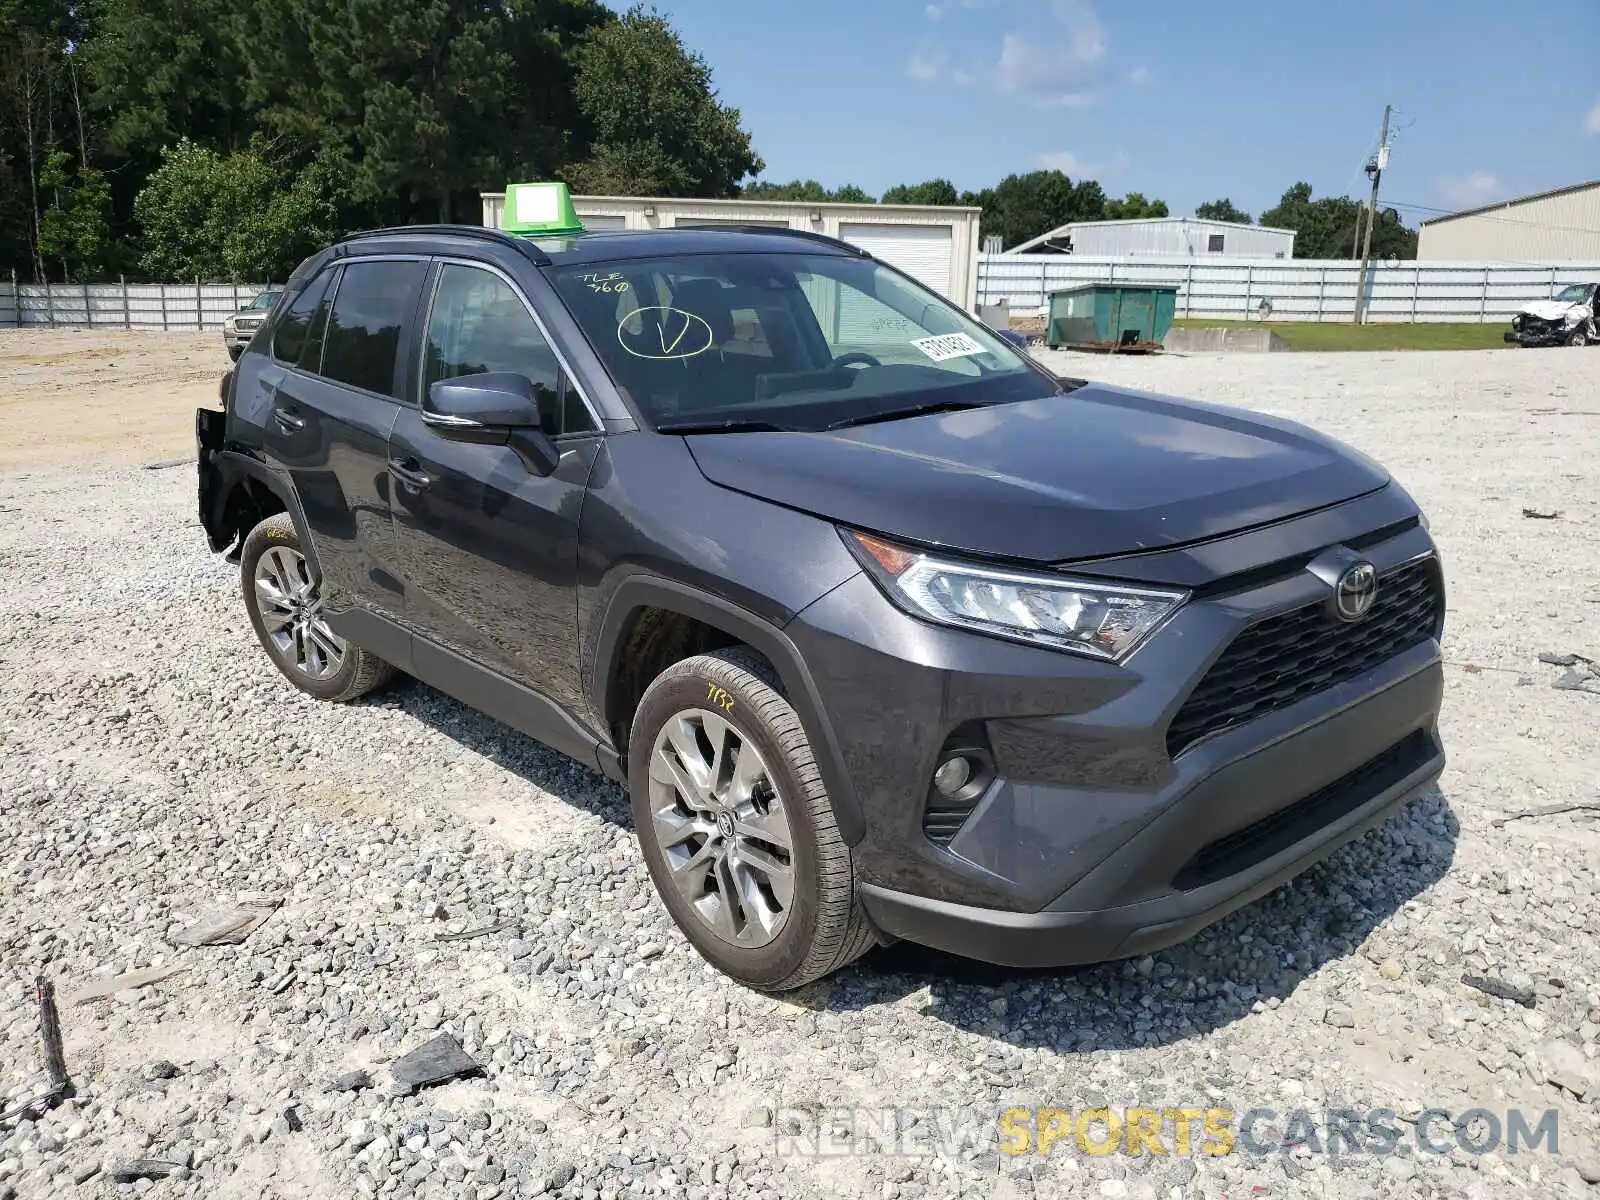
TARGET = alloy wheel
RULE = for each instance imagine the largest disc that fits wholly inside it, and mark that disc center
(722, 827)
(291, 613)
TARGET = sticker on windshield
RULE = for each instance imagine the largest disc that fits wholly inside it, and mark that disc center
(949, 345)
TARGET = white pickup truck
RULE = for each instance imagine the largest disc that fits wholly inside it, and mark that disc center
(1567, 320)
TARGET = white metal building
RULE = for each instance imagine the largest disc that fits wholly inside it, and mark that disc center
(936, 245)
(1164, 236)
(1548, 227)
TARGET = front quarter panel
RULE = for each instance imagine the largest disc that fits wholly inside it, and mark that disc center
(650, 512)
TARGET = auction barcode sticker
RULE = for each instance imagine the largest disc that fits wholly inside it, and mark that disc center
(949, 345)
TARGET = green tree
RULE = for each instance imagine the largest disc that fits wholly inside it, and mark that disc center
(1133, 207)
(1327, 228)
(1223, 210)
(932, 191)
(658, 128)
(427, 101)
(798, 189)
(158, 70)
(851, 194)
(1020, 207)
(237, 217)
(75, 220)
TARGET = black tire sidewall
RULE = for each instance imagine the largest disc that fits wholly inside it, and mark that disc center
(678, 689)
(280, 531)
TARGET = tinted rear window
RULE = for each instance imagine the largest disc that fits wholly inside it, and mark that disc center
(370, 309)
(289, 339)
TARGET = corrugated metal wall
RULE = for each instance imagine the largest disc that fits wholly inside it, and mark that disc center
(1564, 228)
(1179, 236)
(131, 306)
(1298, 289)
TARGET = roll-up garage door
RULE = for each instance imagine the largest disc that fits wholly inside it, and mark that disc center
(921, 251)
(603, 224)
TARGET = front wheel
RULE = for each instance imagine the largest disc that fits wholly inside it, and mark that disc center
(284, 600)
(1579, 336)
(736, 827)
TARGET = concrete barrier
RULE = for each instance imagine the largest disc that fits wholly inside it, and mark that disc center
(1222, 341)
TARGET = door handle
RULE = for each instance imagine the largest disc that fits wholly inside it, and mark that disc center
(410, 473)
(288, 420)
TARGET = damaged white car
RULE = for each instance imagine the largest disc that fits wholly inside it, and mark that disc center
(1567, 320)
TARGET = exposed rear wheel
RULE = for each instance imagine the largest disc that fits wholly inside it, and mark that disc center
(284, 599)
(736, 827)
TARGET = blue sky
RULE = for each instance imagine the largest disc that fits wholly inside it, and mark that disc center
(1184, 101)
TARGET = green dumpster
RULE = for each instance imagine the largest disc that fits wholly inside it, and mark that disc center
(1124, 313)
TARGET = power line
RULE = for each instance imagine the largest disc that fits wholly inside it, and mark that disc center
(1450, 212)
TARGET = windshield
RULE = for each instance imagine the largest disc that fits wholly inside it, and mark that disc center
(786, 341)
(1575, 293)
(265, 300)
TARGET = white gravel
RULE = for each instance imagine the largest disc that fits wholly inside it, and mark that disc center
(153, 766)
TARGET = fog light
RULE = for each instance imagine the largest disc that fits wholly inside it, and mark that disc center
(953, 775)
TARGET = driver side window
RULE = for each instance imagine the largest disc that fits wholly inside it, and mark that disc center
(478, 323)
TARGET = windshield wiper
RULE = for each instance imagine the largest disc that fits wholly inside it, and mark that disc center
(914, 410)
(733, 425)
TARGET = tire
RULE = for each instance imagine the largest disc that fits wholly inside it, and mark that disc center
(1579, 336)
(234, 352)
(290, 628)
(822, 927)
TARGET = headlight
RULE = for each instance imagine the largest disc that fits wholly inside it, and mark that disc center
(1084, 616)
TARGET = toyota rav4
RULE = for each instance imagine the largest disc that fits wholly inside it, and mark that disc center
(888, 631)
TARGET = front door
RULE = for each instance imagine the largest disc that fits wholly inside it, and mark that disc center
(330, 421)
(488, 550)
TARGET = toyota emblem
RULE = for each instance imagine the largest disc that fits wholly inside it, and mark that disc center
(1354, 591)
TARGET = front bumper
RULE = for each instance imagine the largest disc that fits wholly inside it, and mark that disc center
(1540, 334)
(1095, 841)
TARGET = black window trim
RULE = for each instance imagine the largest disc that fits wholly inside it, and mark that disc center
(408, 322)
(570, 377)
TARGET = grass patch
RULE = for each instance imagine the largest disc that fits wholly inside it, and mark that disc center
(1320, 335)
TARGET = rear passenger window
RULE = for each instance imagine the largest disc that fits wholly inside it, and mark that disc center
(369, 310)
(289, 339)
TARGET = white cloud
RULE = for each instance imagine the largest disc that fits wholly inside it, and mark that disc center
(1064, 161)
(926, 66)
(1057, 62)
(1469, 191)
(1139, 76)
(1057, 66)
(1591, 123)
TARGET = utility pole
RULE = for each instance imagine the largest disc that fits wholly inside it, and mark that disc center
(1374, 169)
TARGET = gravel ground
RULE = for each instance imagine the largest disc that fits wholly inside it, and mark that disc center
(154, 766)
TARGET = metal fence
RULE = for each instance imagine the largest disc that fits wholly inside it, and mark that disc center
(1296, 289)
(123, 305)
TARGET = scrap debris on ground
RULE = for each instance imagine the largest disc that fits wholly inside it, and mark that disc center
(151, 761)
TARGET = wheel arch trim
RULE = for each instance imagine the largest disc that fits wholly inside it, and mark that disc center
(650, 591)
(234, 468)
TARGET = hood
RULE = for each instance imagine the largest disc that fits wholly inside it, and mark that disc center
(1553, 310)
(1094, 472)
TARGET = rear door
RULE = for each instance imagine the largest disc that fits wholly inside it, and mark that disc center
(332, 411)
(488, 550)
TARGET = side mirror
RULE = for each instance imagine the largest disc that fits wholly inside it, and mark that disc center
(498, 408)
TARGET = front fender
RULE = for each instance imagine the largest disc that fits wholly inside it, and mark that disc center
(641, 591)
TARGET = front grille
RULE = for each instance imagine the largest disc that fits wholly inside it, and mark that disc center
(252, 323)
(1276, 833)
(1286, 658)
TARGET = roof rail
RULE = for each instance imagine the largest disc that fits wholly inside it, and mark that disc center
(781, 231)
(480, 232)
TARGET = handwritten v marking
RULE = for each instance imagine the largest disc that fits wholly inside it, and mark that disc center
(662, 330)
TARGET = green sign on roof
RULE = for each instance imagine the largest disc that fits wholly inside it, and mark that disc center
(540, 210)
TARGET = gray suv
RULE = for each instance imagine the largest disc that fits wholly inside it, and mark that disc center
(241, 326)
(888, 631)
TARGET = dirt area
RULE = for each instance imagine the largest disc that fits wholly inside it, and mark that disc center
(441, 874)
(71, 398)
